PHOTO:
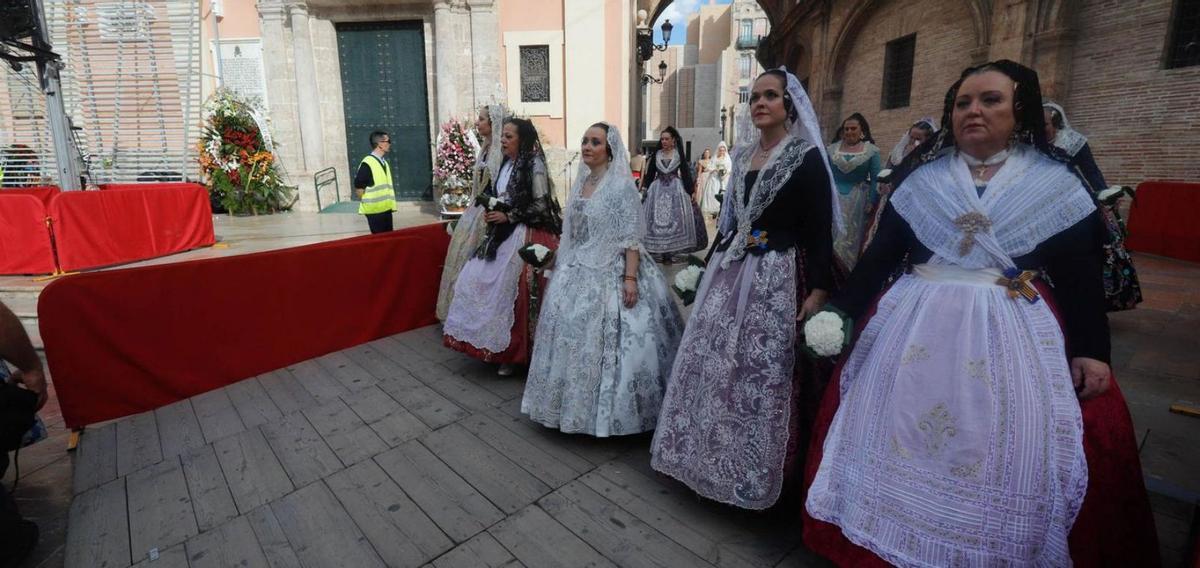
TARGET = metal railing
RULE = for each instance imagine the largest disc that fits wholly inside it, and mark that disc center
(323, 178)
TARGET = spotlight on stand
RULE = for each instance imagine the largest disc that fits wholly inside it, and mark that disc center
(662, 75)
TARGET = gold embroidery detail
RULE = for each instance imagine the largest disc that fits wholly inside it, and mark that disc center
(914, 353)
(938, 425)
(967, 471)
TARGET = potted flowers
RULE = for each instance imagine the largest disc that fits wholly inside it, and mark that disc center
(452, 170)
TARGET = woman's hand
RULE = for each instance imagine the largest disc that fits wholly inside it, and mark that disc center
(35, 381)
(1091, 377)
(629, 292)
(812, 304)
(495, 217)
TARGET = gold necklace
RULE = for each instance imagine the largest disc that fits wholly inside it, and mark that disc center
(764, 153)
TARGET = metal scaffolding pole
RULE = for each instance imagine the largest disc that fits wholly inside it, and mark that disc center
(66, 154)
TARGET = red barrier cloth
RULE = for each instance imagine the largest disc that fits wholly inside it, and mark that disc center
(44, 194)
(102, 228)
(146, 185)
(24, 239)
(1114, 527)
(126, 341)
(1162, 220)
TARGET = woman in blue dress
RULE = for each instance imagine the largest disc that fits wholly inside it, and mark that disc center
(856, 164)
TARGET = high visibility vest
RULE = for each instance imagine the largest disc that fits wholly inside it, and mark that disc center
(380, 197)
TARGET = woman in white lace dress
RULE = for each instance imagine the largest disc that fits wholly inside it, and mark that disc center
(469, 229)
(609, 328)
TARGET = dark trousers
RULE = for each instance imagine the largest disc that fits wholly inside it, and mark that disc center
(379, 222)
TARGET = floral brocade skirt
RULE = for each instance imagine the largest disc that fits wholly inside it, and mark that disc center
(733, 410)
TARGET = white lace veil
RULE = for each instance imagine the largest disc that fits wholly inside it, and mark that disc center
(495, 157)
(804, 128)
(898, 154)
(597, 231)
(1069, 139)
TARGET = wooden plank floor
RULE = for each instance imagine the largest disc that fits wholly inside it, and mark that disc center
(394, 453)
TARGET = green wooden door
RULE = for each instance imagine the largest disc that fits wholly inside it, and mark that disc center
(383, 88)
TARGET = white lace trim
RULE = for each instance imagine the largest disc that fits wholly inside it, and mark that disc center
(848, 162)
(1030, 199)
(784, 159)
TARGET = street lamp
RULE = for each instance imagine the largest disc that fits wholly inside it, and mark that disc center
(662, 75)
(724, 117)
(645, 37)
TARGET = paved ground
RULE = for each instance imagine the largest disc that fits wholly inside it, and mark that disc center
(405, 453)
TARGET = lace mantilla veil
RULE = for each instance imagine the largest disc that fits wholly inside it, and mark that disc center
(1068, 139)
(613, 213)
(804, 130)
(898, 154)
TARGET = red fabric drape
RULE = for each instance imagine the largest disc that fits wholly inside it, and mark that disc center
(1115, 526)
(1162, 220)
(127, 341)
(103, 228)
(44, 194)
(24, 239)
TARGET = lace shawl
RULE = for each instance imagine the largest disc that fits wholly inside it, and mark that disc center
(597, 233)
(668, 167)
(1068, 139)
(737, 218)
(532, 205)
(1030, 199)
(850, 162)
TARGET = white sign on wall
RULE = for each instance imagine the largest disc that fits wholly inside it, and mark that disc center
(242, 68)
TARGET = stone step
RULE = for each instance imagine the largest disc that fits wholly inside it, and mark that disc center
(22, 300)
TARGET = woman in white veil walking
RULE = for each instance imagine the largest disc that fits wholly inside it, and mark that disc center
(717, 180)
(469, 229)
(736, 408)
(609, 328)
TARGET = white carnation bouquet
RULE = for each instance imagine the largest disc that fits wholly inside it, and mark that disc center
(687, 281)
(536, 255)
(827, 333)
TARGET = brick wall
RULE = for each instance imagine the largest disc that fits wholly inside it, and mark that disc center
(1141, 119)
(945, 39)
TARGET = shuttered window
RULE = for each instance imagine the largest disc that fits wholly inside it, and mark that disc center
(131, 87)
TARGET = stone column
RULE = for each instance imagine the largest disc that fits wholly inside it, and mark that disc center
(444, 60)
(311, 136)
(280, 95)
(485, 50)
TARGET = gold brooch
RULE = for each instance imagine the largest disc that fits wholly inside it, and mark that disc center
(1019, 283)
(971, 224)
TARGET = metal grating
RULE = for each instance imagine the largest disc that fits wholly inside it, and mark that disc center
(898, 71)
(131, 87)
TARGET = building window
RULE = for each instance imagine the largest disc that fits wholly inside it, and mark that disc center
(745, 30)
(1183, 50)
(743, 94)
(125, 21)
(897, 71)
(745, 65)
(535, 73)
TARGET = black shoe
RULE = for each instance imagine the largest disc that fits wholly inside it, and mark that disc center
(18, 544)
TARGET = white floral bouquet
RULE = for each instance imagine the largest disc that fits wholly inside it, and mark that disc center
(721, 171)
(489, 203)
(687, 281)
(537, 256)
(827, 333)
(455, 201)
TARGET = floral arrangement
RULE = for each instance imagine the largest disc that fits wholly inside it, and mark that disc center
(687, 281)
(452, 169)
(721, 171)
(241, 170)
(536, 255)
(826, 333)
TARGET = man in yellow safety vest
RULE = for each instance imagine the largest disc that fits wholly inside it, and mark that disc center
(373, 184)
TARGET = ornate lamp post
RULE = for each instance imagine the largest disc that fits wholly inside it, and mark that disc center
(662, 75)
